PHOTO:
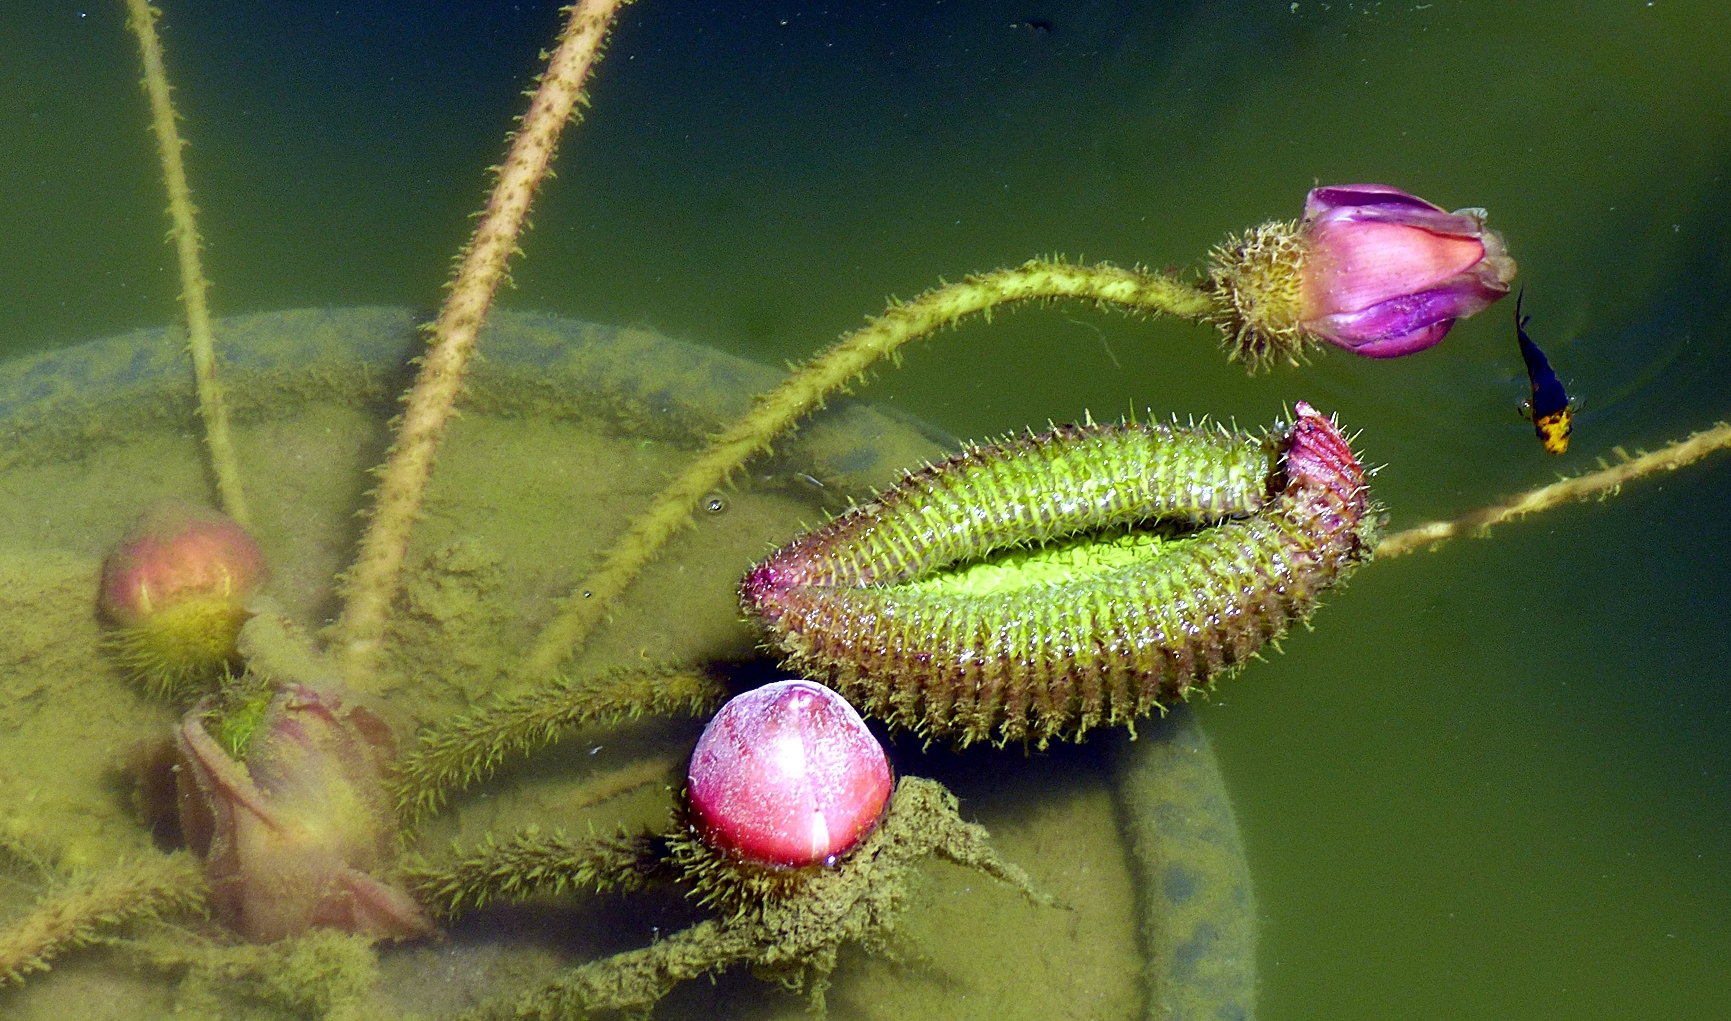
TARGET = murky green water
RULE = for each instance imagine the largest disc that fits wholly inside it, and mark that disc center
(1494, 782)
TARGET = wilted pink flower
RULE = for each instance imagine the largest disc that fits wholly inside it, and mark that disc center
(1369, 268)
(292, 836)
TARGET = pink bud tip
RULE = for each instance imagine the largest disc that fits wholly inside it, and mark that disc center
(1319, 457)
(787, 775)
(177, 551)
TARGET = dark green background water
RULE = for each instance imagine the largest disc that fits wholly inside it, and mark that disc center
(1496, 781)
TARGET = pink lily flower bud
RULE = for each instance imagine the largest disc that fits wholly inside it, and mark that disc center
(294, 832)
(175, 590)
(786, 776)
(1369, 268)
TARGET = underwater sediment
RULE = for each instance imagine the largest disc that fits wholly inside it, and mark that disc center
(1039, 587)
(570, 401)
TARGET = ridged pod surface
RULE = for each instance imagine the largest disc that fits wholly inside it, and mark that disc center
(1037, 588)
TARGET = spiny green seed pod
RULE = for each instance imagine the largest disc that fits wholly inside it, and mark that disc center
(1030, 490)
(1037, 588)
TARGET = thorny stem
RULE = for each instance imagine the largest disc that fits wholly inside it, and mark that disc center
(371, 584)
(805, 390)
(468, 748)
(631, 980)
(156, 884)
(1605, 482)
(530, 864)
(141, 18)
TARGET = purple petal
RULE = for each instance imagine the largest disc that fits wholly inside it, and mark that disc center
(1370, 196)
(1379, 203)
(1352, 264)
(1411, 343)
(1466, 223)
(1410, 322)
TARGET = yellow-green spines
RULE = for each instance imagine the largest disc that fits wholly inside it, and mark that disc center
(183, 650)
(533, 863)
(1161, 557)
(1258, 295)
(469, 747)
(81, 909)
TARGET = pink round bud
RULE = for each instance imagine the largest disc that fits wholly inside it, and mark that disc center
(787, 775)
(174, 552)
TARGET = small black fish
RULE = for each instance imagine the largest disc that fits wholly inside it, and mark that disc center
(1550, 409)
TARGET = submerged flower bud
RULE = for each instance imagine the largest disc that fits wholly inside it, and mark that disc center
(1370, 269)
(175, 552)
(176, 589)
(293, 832)
(787, 775)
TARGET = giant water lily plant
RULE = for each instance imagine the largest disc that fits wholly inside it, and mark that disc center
(1368, 268)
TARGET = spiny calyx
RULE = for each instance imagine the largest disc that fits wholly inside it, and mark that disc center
(1039, 587)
